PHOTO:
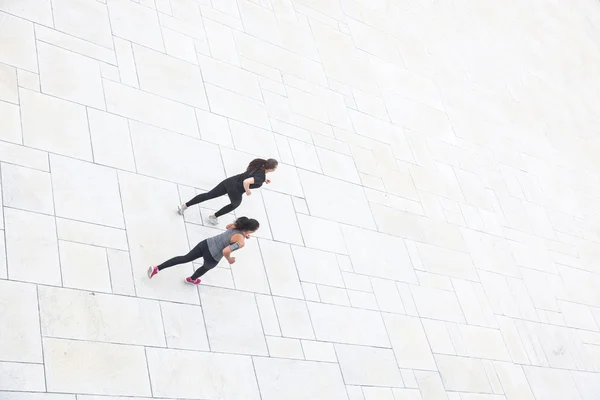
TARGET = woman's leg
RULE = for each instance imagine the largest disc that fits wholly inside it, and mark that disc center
(236, 200)
(209, 263)
(194, 254)
(215, 192)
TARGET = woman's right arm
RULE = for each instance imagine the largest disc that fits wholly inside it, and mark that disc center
(237, 242)
(247, 182)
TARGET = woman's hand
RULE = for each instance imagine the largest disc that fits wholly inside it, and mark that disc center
(231, 260)
(267, 181)
(248, 192)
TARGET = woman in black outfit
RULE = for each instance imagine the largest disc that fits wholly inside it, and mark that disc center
(235, 187)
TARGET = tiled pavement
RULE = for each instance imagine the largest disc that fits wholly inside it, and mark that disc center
(432, 232)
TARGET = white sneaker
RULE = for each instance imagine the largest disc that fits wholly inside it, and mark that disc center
(213, 220)
(181, 209)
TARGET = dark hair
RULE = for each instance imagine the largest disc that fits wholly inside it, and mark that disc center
(246, 224)
(261, 164)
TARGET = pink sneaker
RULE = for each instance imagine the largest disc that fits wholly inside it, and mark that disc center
(193, 281)
(152, 271)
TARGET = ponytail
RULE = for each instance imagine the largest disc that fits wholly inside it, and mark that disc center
(246, 224)
(260, 164)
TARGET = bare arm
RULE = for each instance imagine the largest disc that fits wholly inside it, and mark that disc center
(247, 183)
(230, 227)
(237, 242)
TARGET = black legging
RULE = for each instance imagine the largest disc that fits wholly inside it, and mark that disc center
(223, 188)
(201, 250)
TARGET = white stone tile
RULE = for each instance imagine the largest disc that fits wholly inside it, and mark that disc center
(74, 314)
(106, 368)
(357, 282)
(333, 295)
(484, 342)
(214, 128)
(430, 385)
(85, 19)
(74, 44)
(311, 291)
(145, 246)
(322, 234)
(126, 62)
(96, 235)
(438, 336)
(111, 142)
(179, 45)
(11, 122)
(136, 23)
(27, 189)
(169, 77)
(282, 218)
(370, 252)
(319, 351)
(281, 269)
(578, 315)
(293, 318)
(348, 325)
(305, 155)
(240, 332)
(22, 377)
(17, 41)
(153, 149)
(551, 384)
(437, 304)
(317, 266)
(463, 374)
(284, 348)
(268, 315)
(121, 277)
(355, 392)
(55, 125)
(31, 247)
(368, 366)
(490, 253)
(249, 272)
(378, 393)
(374, 41)
(229, 77)
(184, 326)
(86, 192)
(363, 300)
(149, 108)
(447, 262)
(21, 327)
(222, 44)
(474, 303)
(253, 140)
(409, 342)
(298, 380)
(434, 281)
(513, 380)
(407, 394)
(84, 267)
(3, 259)
(42, 396)
(224, 376)
(237, 107)
(39, 11)
(387, 295)
(338, 165)
(8, 84)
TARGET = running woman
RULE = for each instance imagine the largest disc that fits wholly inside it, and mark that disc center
(235, 187)
(213, 249)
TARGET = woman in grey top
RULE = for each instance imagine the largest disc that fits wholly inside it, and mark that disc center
(213, 249)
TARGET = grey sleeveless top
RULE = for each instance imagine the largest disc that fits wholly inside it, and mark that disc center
(216, 244)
